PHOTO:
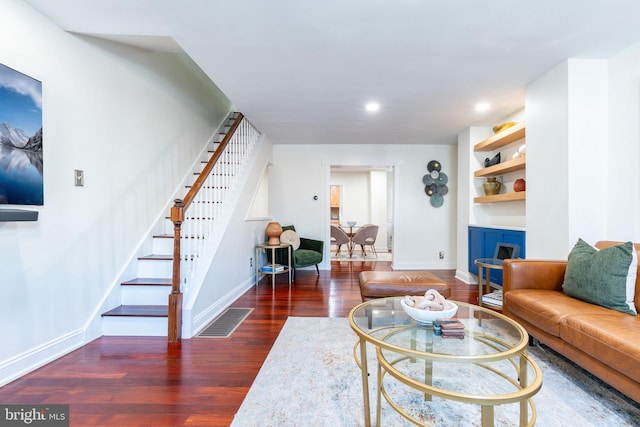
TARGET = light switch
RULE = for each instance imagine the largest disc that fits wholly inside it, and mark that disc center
(79, 175)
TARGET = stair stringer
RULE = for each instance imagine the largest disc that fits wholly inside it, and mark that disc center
(198, 306)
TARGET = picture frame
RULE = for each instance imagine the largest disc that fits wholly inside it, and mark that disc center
(21, 141)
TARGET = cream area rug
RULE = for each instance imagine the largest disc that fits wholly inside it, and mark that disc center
(311, 379)
(343, 255)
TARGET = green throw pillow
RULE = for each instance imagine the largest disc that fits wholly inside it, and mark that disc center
(605, 277)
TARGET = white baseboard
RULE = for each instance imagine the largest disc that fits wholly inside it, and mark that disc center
(37, 357)
(466, 277)
(201, 320)
(428, 266)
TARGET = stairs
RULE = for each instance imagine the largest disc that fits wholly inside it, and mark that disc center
(144, 302)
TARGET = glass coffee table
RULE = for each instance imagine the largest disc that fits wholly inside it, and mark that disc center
(487, 366)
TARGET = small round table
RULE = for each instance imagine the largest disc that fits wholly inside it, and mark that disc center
(273, 269)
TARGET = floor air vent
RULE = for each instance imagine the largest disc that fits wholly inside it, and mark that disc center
(224, 325)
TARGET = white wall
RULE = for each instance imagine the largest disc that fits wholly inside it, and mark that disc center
(379, 205)
(134, 121)
(232, 271)
(567, 158)
(623, 191)
(587, 145)
(466, 192)
(355, 199)
(420, 230)
(547, 136)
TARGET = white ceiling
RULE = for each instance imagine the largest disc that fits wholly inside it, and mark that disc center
(302, 71)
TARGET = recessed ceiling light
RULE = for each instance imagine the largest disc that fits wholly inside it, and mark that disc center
(372, 107)
(482, 107)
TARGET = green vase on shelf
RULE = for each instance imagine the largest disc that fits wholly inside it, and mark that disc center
(491, 186)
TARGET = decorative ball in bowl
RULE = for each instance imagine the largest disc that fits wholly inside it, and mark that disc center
(428, 316)
(351, 223)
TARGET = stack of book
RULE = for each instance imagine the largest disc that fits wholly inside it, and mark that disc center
(272, 268)
(450, 328)
(494, 298)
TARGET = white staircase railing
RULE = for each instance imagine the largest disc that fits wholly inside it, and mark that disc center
(194, 217)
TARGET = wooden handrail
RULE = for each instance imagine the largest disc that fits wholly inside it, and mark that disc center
(191, 194)
(177, 217)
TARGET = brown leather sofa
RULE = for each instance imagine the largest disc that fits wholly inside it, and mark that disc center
(605, 342)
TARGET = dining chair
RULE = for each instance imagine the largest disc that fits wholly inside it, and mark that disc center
(339, 238)
(365, 236)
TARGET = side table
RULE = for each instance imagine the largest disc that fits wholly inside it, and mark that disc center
(273, 273)
(487, 264)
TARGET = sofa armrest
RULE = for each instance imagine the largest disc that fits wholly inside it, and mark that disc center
(532, 274)
(314, 245)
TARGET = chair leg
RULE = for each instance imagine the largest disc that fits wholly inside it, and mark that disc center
(317, 269)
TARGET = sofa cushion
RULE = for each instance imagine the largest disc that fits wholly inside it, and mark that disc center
(609, 336)
(605, 277)
(290, 237)
(306, 257)
(544, 308)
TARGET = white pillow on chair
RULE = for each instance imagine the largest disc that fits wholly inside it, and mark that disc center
(290, 237)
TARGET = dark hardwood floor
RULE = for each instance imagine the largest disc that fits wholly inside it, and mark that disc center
(139, 381)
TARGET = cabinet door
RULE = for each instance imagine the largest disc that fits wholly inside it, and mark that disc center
(335, 196)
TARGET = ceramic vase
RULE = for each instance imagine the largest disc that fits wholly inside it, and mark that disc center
(273, 231)
(519, 185)
(492, 161)
(491, 186)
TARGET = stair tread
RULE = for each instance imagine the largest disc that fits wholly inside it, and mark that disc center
(148, 281)
(157, 257)
(139, 311)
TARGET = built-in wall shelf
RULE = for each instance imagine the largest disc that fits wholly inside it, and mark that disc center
(498, 198)
(509, 136)
(519, 163)
(513, 134)
(8, 215)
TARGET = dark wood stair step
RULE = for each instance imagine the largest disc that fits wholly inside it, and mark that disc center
(139, 311)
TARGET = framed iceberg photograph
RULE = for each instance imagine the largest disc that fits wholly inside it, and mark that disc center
(21, 165)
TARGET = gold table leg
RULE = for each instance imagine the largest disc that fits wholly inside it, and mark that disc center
(365, 382)
(524, 405)
(487, 416)
(480, 274)
(379, 399)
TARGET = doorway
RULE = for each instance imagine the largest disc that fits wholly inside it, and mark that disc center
(364, 195)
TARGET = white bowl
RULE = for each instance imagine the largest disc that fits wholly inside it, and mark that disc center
(351, 223)
(428, 316)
